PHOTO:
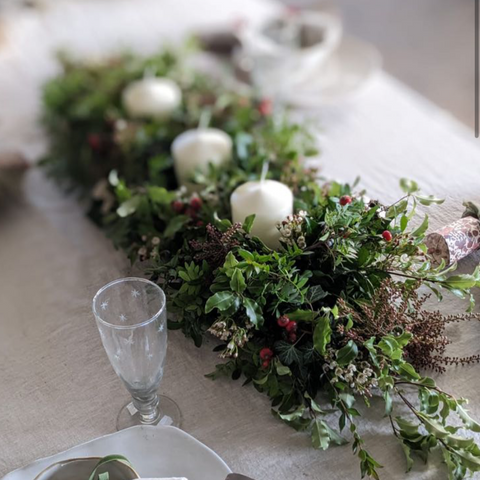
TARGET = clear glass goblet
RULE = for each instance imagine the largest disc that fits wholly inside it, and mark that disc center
(131, 317)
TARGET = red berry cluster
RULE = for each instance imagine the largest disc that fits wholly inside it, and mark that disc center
(190, 208)
(290, 326)
(266, 355)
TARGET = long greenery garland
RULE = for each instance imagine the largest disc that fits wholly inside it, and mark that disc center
(334, 316)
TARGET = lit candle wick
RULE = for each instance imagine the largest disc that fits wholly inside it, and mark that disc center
(264, 173)
(205, 118)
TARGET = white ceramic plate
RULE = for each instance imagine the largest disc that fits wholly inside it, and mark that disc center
(154, 451)
(345, 74)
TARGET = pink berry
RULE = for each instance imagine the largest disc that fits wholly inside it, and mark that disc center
(292, 337)
(266, 364)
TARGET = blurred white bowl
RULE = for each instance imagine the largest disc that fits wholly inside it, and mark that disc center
(81, 468)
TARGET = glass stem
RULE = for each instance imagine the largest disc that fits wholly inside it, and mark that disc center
(147, 407)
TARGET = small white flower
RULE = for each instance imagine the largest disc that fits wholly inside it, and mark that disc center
(142, 251)
(338, 372)
(325, 367)
(362, 378)
(333, 365)
(121, 124)
(352, 368)
(144, 238)
(287, 232)
(349, 377)
(302, 213)
(155, 241)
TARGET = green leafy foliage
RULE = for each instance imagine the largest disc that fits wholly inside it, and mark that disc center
(279, 315)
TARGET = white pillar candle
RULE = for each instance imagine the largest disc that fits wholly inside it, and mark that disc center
(195, 149)
(151, 97)
(270, 201)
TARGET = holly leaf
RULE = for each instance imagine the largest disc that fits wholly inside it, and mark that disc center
(320, 435)
(175, 225)
(422, 228)
(128, 207)
(248, 223)
(322, 335)
(347, 353)
(221, 301)
(254, 312)
(237, 281)
(160, 195)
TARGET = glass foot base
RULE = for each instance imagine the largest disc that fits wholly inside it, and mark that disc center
(169, 414)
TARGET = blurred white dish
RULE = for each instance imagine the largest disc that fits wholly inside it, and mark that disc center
(288, 49)
(82, 468)
(345, 74)
(154, 451)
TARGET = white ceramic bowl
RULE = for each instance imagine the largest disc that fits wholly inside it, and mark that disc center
(281, 64)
